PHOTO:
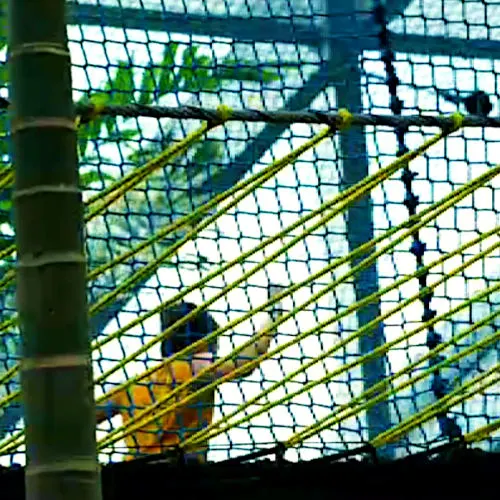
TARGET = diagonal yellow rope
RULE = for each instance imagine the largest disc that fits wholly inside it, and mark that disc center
(417, 153)
(483, 432)
(467, 390)
(129, 181)
(348, 410)
(132, 427)
(217, 428)
(451, 200)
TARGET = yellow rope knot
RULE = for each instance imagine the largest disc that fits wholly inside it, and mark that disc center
(224, 112)
(95, 109)
(345, 119)
(457, 119)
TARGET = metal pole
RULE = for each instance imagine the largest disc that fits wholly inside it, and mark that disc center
(360, 218)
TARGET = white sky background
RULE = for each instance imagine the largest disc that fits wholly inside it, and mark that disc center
(456, 159)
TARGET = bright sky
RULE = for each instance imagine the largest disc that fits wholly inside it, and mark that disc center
(456, 160)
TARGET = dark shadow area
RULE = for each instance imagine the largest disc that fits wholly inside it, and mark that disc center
(456, 474)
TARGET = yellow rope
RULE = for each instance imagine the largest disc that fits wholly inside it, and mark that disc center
(403, 225)
(169, 252)
(349, 408)
(11, 444)
(279, 164)
(484, 432)
(6, 179)
(6, 280)
(7, 375)
(452, 399)
(210, 432)
(328, 376)
(346, 197)
(132, 427)
(422, 149)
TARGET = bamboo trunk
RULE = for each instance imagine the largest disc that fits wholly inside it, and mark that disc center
(51, 291)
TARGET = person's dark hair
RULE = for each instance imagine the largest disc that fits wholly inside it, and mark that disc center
(195, 329)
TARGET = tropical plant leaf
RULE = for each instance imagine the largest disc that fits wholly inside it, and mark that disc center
(121, 86)
(92, 176)
(165, 72)
(231, 69)
(148, 86)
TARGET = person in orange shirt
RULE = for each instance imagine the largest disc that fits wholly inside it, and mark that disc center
(167, 431)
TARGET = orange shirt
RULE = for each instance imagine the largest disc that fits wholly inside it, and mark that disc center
(171, 428)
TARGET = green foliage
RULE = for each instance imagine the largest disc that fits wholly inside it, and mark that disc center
(196, 74)
(174, 191)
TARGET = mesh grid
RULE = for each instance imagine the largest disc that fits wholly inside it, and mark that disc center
(319, 56)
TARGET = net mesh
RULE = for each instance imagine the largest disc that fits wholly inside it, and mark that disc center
(274, 55)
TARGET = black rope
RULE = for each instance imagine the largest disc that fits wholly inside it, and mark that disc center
(252, 115)
(89, 112)
(439, 386)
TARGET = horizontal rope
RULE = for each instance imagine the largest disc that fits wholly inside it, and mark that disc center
(330, 118)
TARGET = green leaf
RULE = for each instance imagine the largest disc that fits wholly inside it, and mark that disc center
(208, 152)
(92, 176)
(6, 205)
(166, 75)
(187, 76)
(124, 135)
(83, 140)
(121, 91)
(240, 70)
(148, 86)
(122, 85)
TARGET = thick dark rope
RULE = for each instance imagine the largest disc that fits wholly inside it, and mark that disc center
(252, 115)
(89, 111)
(448, 426)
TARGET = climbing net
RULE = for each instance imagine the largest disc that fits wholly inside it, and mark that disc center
(203, 181)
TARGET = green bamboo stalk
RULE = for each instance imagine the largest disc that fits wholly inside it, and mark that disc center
(51, 297)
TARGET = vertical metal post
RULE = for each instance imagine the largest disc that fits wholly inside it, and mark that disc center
(360, 215)
(56, 376)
